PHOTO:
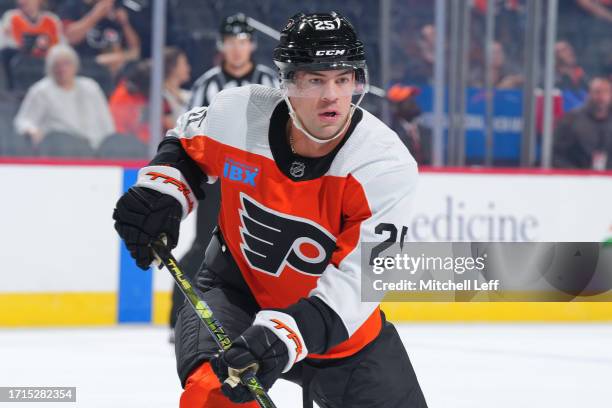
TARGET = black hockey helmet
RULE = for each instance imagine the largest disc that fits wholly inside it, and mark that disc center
(318, 42)
(235, 25)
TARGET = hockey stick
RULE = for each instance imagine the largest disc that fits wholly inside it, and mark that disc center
(205, 314)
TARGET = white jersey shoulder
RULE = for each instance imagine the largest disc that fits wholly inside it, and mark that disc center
(238, 117)
(373, 149)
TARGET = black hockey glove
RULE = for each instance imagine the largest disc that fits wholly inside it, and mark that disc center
(141, 216)
(257, 345)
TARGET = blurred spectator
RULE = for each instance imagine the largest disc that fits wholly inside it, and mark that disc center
(420, 59)
(29, 29)
(406, 111)
(583, 138)
(64, 102)
(569, 75)
(177, 72)
(129, 103)
(505, 75)
(27, 33)
(100, 30)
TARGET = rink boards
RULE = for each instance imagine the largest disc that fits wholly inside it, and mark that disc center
(64, 264)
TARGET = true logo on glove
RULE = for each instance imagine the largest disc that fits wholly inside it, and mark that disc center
(291, 336)
(182, 187)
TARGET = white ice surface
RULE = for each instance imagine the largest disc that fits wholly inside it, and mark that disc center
(471, 366)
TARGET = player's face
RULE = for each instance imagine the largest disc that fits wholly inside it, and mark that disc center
(322, 100)
(237, 50)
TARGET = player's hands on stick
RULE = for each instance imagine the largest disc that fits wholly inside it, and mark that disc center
(257, 348)
(141, 216)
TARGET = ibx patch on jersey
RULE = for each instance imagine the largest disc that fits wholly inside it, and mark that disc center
(272, 240)
(236, 171)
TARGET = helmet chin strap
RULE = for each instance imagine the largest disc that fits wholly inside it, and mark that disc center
(298, 123)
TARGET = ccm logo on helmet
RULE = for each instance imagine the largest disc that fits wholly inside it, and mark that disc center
(332, 53)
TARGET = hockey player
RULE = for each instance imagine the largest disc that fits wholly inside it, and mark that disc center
(236, 42)
(306, 177)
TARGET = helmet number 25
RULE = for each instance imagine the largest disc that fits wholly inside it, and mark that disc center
(324, 25)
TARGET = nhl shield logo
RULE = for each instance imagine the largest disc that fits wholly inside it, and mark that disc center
(297, 169)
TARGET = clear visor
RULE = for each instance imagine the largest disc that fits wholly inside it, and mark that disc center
(328, 83)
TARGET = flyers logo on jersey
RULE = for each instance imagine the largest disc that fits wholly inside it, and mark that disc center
(272, 240)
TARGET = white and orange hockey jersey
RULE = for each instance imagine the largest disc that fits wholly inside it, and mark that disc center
(295, 225)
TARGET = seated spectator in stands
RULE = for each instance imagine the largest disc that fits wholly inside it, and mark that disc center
(505, 75)
(64, 102)
(177, 72)
(30, 30)
(405, 111)
(100, 30)
(583, 138)
(129, 103)
(569, 75)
